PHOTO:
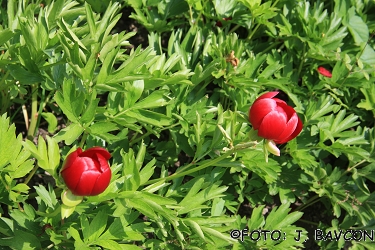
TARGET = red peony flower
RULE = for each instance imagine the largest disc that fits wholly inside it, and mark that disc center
(274, 119)
(87, 173)
(325, 72)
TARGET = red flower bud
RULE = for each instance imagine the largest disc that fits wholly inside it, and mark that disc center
(325, 72)
(274, 119)
(219, 24)
(87, 173)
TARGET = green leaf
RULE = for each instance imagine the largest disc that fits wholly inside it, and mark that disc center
(360, 182)
(51, 120)
(368, 172)
(89, 114)
(99, 128)
(113, 45)
(5, 35)
(48, 197)
(53, 155)
(320, 107)
(254, 161)
(150, 117)
(23, 169)
(369, 102)
(156, 99)
(368, 56)
(78, 243)
(196, 228)
(105, 23)
(48, 159)
(131, 65)
(140, 155)
(69, 134)
(97, 226)
(147, 171)
(24, 76)
(119, 230)
(131, 172)
(106, 67)
(133, 93)
(42, 152)
(70, 102)
(142, 207)
(357, 27)
(334, 36)
(21, 187)
(8, 140)
(71, 35)
(21, 240)
(212, 232)
(257, 220)
(110, 244)
(35, 36)
(197, 195)
(340, 124)
(160, 200)
(91, 21)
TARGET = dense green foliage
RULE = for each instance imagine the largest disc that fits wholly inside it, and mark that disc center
(174, 116)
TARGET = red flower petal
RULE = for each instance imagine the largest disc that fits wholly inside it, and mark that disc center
(102, 182)
(325, 72)
(96, 150)
(72, 176)
(87, 183)
(272, 125)
(295, 133)
(259, 110)
(71, 158)
(267, 95)
(289, 129)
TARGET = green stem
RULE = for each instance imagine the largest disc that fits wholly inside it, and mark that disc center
(3, 85)
(181, 172)
(258, 25)
(234, 28)
(34, 112)
(302, 60)
(135, 140)
(354, 166)
(42, 105)
(273, 45)
(310, 202)
(31, 174)
(309, 222)
(253, 32)
(83, 140)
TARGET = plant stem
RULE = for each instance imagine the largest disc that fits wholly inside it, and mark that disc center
(31, 174)
(135, 140)
(258, 25)
(310, 202)
(34, 112)
(350, 168)
(302, 60)
(309, 222)
(83, 140)
(181, 172)
(43, 104)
